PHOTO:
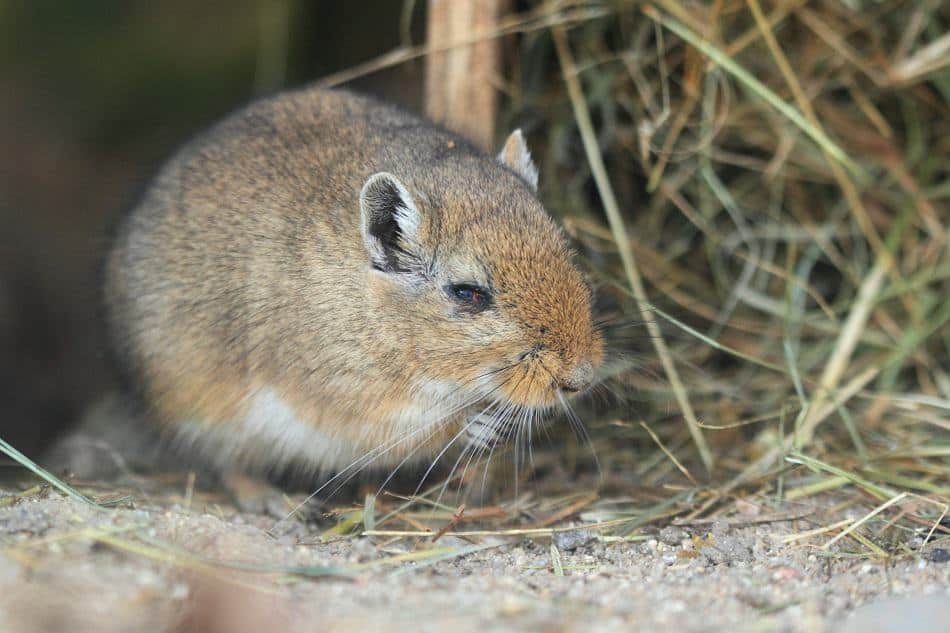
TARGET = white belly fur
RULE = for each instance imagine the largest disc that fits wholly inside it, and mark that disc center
(271, 435)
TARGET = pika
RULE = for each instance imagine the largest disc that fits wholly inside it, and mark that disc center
(322, 279)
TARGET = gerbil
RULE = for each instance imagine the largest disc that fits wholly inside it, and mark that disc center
(322, 279)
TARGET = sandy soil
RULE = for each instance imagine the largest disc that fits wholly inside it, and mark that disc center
(162, 566)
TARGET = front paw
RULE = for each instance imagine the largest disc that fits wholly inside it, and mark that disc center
(256, 496)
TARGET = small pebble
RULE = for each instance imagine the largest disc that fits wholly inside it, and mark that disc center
(938, 555)
(672, 535)
(570, 541)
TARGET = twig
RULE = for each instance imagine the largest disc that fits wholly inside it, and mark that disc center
(456, 517)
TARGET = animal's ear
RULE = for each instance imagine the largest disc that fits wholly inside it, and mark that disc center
(516, 156)
(389, 220)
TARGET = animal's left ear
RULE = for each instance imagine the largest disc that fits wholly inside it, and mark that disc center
(515, 155)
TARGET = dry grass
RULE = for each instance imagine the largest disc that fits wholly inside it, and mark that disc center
(780, 185)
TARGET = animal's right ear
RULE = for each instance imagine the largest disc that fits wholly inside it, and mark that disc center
(390, 222)
(516, 156)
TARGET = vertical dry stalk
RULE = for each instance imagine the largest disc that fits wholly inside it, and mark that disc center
(844, 346)
(460, 79)
(617, 227)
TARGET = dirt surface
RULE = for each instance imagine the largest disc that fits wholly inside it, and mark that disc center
(190, 565)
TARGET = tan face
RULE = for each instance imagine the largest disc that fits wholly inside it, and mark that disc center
(519, 309)
(491, 299)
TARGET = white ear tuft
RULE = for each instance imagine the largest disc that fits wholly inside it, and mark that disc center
(389, 220)
(515, 155)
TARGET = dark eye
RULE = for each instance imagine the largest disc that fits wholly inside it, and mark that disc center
(470, 296)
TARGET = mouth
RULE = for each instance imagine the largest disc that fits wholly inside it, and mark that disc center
(544, 398)
(530, 384)
(505, 415)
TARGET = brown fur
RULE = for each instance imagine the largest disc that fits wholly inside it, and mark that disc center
(244, 268)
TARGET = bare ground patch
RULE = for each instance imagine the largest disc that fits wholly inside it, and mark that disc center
(175, 562)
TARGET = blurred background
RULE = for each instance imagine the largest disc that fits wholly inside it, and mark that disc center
(93, 96)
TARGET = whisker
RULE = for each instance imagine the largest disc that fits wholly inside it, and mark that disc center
(357, 465)
(448, 445)
(526, 424)
(503, 423)
(581, 430)
(502, 426)
(474, 449)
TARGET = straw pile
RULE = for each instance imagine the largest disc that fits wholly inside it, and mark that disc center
(760, 190)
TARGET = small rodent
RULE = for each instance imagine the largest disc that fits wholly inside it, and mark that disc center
(322, 279)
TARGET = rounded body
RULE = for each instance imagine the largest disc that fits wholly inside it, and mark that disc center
(271, 312)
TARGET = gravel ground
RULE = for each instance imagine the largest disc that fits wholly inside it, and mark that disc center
(67, 567)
